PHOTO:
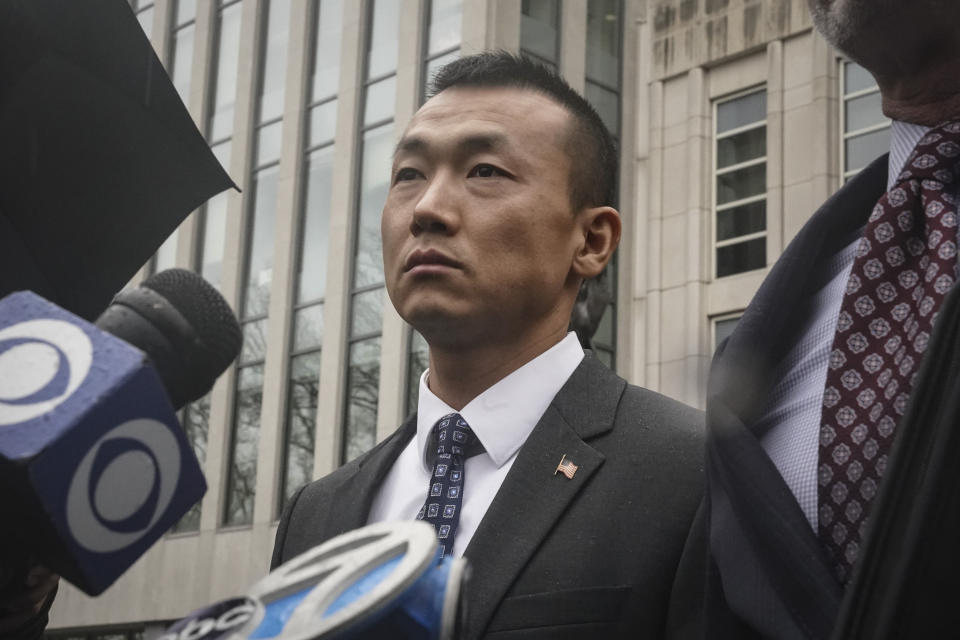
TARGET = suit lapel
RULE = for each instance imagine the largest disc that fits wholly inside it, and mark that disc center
(533, 497)
(352, 498)
(771, 564)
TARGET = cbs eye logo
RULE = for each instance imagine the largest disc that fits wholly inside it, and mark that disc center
(42, 362)
(123, 485)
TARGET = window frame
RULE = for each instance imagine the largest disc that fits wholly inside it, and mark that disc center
(715, 173)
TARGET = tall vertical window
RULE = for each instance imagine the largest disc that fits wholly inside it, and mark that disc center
(367, 290)
(723, 326)
(219, 130)
(258, 272)
(181, 48)
(443, 36)
(195, 419)
(314, 224)
(441, 45)
(740, 172)
(166, 255)
(604, 57)
(212, 221)
(540, 31)
(603, 89)
(144, 12)
(866, 131)
(179, 66)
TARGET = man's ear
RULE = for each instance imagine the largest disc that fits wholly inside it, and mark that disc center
(601, 235)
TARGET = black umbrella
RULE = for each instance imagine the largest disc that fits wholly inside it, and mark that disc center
(99, 159)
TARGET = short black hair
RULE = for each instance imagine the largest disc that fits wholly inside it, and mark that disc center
(591, 148)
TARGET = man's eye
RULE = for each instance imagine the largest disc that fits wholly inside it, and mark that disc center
(485, 171)
(406, 173)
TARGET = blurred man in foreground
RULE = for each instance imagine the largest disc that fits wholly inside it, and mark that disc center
(805, 397)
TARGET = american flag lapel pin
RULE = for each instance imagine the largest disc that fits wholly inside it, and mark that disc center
(566, 467)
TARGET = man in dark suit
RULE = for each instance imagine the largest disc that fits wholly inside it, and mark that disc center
(574, 512)
(804, 396)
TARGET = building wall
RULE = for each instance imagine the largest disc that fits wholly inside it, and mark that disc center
(701, 53)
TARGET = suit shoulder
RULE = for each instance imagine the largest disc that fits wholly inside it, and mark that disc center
(655, 410)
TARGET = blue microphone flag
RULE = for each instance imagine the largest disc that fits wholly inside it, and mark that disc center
(91, 451)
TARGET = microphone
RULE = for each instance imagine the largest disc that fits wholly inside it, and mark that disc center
(385, 580)
(93, 461)
(183, 324)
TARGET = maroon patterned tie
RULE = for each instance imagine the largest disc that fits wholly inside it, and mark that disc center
(904, 267)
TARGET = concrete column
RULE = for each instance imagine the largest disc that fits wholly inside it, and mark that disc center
(698, 245)
(221, 410)
(573, 43)
(336, 311)
(652, 249)
(200, 74)
(632, 285)
(775, 151)
(396, 333)
(827, 172)
(289, 202)
(162, 20)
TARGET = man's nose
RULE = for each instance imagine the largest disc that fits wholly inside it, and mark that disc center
(436, 210)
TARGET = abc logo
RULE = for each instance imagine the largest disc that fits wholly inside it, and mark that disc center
(123, 485)
(42, 362)
(216, 621)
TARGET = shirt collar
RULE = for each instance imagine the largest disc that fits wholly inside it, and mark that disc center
(904, 136)
(504, 414)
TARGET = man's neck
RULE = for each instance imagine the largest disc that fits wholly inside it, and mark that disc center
(459, 374)
(930, 96)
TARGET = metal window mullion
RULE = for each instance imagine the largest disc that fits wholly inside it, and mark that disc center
(363, 336)
(859, 93)
(265, 166)
(294, 353)
(214, 143)
(320, 145)
(880, 126)
(741, 129)
(252, 363)
(741, 239)
(603, 85)
(321, 101)
(538, 58)
(267, 123)
(441, 53)
(741, 165)
(299, 306)
(367, 288)
(739, 203)
(379, 123)
(256, 318)
(379, 78)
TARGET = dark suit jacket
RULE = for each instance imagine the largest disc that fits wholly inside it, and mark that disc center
(590, 557)
(766, 573)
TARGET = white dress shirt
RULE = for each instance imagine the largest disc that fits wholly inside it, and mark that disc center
(792, 417)
(501, 417)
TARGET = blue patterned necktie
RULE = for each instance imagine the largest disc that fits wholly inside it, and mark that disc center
(455, 443)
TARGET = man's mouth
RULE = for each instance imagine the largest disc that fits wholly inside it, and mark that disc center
(427, 258)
